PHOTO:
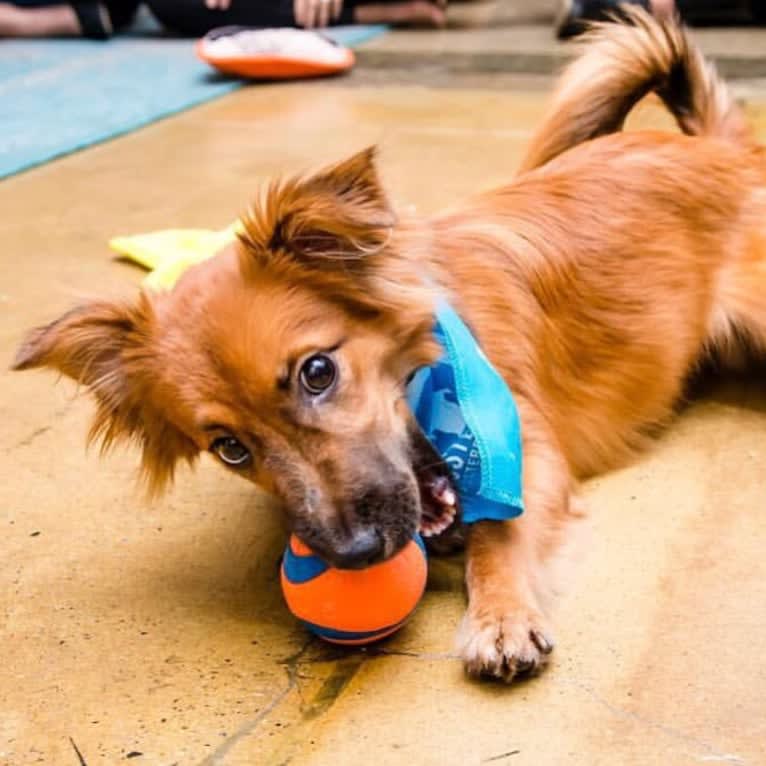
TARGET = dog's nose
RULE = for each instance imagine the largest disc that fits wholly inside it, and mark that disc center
(364, 548)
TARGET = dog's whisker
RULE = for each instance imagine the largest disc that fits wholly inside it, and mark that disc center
(420, 469)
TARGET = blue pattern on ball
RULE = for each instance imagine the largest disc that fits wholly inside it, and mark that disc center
(352, 635)
(300, 569)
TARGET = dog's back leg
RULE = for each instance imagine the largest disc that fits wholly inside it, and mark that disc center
(738, 323)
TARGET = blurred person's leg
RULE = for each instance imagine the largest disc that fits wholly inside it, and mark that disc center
(422, 12)
(41, 18)
(46, 21)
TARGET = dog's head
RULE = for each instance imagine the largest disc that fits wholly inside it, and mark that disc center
(286, 357)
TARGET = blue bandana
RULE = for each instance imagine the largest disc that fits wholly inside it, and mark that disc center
(468, 414)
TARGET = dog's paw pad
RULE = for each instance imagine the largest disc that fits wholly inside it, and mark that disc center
(504, 646)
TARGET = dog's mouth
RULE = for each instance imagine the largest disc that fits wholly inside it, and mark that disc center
(439, 501)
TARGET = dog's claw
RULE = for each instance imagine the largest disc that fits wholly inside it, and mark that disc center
(524, 667)
(541, 641)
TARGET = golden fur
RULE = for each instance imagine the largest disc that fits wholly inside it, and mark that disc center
(597, 282)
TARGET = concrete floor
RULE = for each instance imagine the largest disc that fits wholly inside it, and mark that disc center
(157, 634)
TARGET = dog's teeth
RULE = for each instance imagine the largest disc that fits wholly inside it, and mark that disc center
(443, 492)
(448, 497)
(431, 526)
(439, 515)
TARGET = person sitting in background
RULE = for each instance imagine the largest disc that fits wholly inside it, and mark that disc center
(195, 18)
(574, 15)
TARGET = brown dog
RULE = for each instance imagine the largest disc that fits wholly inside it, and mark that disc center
(596, 283)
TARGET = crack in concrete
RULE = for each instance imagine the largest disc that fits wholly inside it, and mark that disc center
(332, 687)
(339, 681)
(327, 695)
(428, 656)
(713, 753)
(374, 653)
(27, 440)
(291, 667)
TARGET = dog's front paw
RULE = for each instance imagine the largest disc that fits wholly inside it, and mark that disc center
(503, 644)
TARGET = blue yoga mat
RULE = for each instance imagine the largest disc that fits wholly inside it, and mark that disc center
(59, 96)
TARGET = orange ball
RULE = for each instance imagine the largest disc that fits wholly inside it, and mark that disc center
(353, 606)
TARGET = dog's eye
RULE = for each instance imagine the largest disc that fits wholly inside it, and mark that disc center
(318, 373)
(231, 451)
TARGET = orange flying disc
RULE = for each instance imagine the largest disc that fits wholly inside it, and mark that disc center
(273, 54)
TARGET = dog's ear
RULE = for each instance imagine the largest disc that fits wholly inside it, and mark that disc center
(337, 231)
(329, 220)
(108, 348)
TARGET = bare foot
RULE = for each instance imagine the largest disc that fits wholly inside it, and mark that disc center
(10, 17)
(416, 13)
(47, 21)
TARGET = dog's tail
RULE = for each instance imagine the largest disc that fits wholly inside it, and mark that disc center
(621, 63)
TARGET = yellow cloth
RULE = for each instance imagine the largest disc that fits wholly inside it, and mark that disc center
(167, 254)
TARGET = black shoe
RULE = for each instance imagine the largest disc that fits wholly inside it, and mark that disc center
(574, 15)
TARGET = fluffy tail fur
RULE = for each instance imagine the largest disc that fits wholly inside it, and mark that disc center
(620, 63)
